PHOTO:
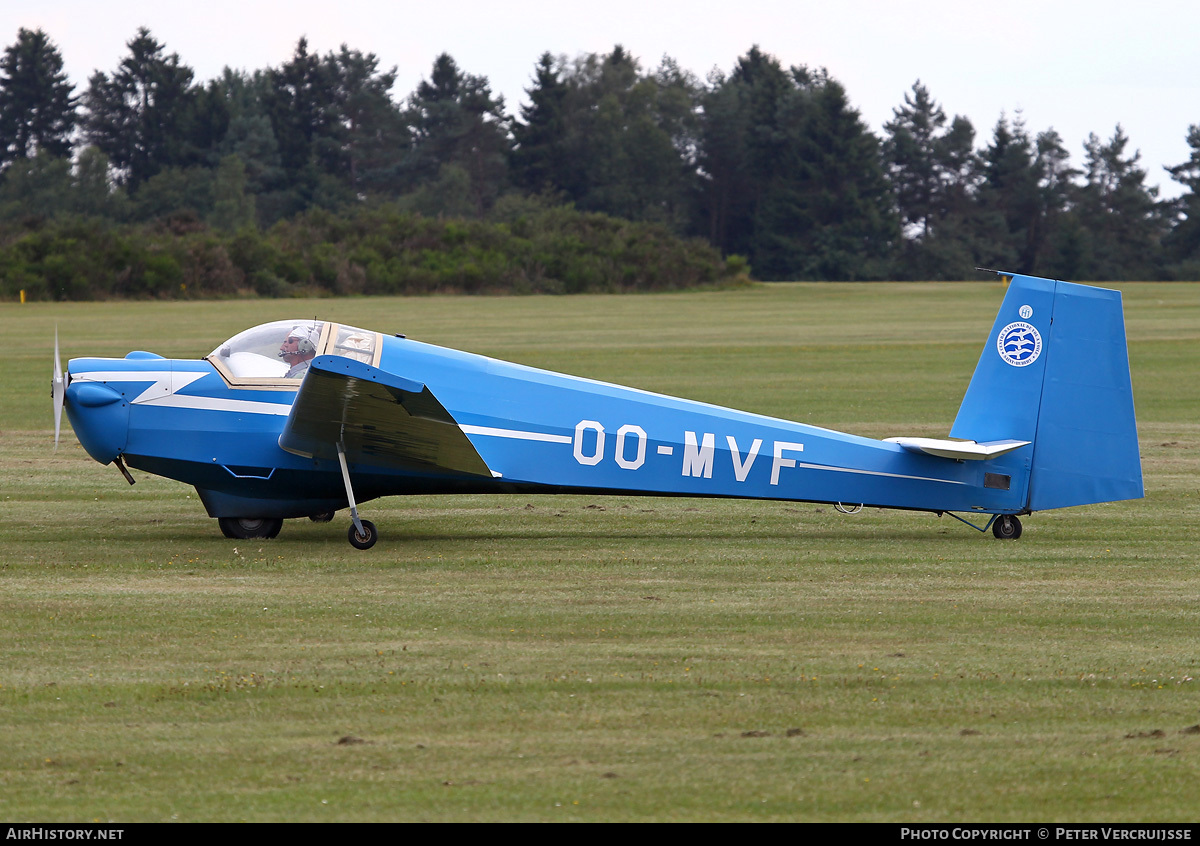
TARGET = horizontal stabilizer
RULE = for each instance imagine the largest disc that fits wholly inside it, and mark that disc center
(381, 419)
(958, 450)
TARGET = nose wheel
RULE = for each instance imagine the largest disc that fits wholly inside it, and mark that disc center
(365, 537)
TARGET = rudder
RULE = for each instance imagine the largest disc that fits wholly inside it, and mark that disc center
(1087, 446)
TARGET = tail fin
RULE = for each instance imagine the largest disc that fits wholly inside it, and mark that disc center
(1055, 371)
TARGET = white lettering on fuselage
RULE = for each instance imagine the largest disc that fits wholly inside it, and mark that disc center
(699, 451)
(698, 460)
(742, 470)
(598, 455)
(640, 458)
(780, 461)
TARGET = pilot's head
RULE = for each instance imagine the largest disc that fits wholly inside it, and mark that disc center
(299, 345)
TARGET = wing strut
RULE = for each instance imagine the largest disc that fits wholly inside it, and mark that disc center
(363, 533)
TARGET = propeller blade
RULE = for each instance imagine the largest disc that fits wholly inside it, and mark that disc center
(58, 390)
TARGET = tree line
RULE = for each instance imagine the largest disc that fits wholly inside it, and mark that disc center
(763, 167)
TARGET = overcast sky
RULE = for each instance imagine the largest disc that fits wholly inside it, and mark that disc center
(1077, 67)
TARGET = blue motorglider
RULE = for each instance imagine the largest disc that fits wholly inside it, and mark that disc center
(302, 418)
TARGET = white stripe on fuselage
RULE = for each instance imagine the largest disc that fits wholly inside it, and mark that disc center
(516, 434)
(161, 380)
(166, 384)
(877, 473)
(221, 404)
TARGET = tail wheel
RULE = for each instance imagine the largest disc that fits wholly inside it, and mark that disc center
(1006, 527)
(364, 539)
(244, 528)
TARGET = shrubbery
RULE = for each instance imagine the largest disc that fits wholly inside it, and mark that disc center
(379, 250)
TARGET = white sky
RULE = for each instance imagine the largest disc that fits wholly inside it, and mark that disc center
(1078, 67)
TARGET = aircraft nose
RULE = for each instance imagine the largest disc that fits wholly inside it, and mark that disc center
(99, 414)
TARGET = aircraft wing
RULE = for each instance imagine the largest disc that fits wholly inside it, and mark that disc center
(958, 450)
(380, 418)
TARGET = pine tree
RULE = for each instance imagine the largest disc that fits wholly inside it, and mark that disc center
(539, 161)
(794, 180)
(139, 116)
(828, 212)
(1120, 214)
(456, 121)
(631, 138)
(299, 101)
(371, 130)
(249, 134)
(1048, 235)
(1182, 243)
(1009, 198)
(913, 161)
(37, 107)
(741, 150)
(726, 190)
(934, 172)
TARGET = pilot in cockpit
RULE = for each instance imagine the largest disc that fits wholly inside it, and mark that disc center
(298, 349)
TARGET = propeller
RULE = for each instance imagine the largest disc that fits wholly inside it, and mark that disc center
(58, 390)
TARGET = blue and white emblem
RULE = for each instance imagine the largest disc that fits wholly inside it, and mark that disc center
(1019, 344)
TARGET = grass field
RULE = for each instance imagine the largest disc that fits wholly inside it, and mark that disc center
(607, 659)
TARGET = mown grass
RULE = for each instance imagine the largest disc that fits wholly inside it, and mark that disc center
(572, 658)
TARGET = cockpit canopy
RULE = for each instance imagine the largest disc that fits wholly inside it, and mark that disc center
(256, 356)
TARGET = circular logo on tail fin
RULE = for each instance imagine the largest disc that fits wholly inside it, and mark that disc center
(1019, 344)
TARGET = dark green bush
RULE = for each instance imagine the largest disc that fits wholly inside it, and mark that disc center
(370, 250)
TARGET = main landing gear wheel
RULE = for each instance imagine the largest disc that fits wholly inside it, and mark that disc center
(1006, 527)
(366, 539)
(244, 528)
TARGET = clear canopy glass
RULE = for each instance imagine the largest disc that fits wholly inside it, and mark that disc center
(282, 349)
(258, 353)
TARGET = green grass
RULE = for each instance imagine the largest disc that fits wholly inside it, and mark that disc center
(623, 659)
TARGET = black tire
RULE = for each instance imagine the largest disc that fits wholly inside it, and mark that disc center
(367, 539)
(323, 517)
(1006, 527)
(247, 528)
